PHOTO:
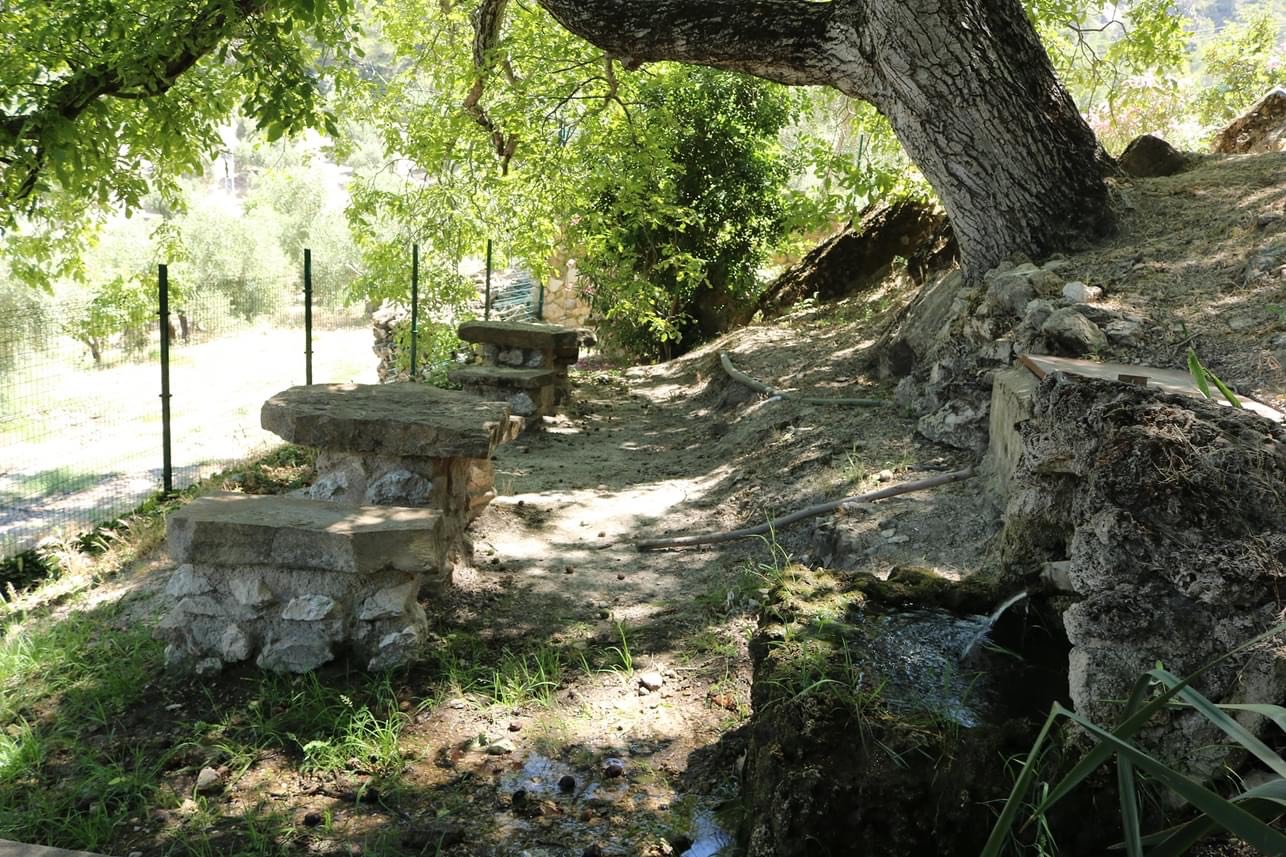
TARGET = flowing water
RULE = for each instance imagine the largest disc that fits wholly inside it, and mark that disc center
(923, 652)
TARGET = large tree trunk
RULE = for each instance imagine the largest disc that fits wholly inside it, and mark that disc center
(966, 85)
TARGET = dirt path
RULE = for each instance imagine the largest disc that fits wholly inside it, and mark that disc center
(659, 450)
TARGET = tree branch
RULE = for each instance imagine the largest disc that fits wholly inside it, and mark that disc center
(69, 98)
(782, 40)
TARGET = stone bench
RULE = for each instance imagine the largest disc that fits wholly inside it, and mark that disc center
(516, 356)
(402, 444)
(288, 581)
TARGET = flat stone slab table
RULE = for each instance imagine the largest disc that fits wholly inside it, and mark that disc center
(287, 581)
(400, 444)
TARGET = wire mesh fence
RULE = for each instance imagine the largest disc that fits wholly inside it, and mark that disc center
(80, 407)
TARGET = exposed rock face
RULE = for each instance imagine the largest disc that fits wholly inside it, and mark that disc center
(856, 258)
(288, 581)
(1150, 157)
(1171, 514)
(1262, 128)
(955, 334)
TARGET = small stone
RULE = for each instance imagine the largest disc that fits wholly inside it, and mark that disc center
(387, 603)
(1079, 293)
(515, 726)
(620, 577)
(899, 540)
(613, 768)
(457, 703)
(567, 784)
(234, 645)
(187, 582)
(308, 608)
(312, 819)
(251, 591)
(208, 781)
(884, 476)
(651, 680)
(503, 747)
(208, 666)
(1124, 332)
(889, 533)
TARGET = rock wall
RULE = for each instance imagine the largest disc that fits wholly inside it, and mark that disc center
(385, 323)
(564, 302)
(1171, 514)
(948, 343)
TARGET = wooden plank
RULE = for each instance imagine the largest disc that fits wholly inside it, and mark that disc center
(1175, 381)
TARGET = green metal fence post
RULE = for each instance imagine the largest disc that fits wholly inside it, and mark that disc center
(167, 458)
(308, 316)
(415, 303)
(486, 303)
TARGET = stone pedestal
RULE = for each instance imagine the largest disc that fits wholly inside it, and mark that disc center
(512, 350)
(288, 581)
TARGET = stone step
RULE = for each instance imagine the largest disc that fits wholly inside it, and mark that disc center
(389, 419)
(295, 532)
(519, 334)
(19, 849)
(503, 377)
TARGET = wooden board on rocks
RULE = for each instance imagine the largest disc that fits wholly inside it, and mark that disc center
(1169, 380)
(389, 419)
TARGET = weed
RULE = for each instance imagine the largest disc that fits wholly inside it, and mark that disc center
(623, 661)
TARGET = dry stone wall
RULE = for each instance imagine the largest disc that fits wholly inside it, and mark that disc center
(1170, 514)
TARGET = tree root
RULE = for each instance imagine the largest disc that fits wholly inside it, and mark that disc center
(810, 512)
(760, 387)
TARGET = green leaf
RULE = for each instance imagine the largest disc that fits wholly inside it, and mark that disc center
(1225, 813)
(1198, 373)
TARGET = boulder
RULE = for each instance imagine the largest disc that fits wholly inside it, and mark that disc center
(1151, 157)
(1072, 333)
(1262, 128)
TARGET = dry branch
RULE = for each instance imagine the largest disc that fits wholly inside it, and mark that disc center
(760, 387)
(810, 512)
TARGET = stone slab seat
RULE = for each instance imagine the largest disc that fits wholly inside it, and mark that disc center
(21, 849)
(295, 532)
(405, 419)
(286, 581)
(520, 334)
(503, 377)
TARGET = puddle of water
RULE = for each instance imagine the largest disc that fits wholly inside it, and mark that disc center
(919, 651)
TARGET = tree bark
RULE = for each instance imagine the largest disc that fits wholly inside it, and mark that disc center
(966, 85)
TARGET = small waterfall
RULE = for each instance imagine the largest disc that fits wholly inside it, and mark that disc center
(989, 624)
